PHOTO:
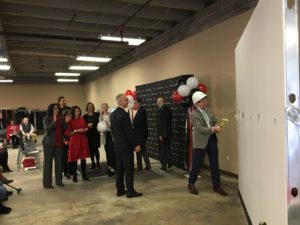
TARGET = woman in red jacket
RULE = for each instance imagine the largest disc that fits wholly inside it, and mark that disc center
(78, 144)
(12, 133)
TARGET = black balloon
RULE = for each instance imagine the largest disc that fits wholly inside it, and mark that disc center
(181, 81)
(187, 102)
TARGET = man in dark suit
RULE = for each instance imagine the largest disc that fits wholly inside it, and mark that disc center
(125, 145)
(62, 104)
(65, 110)
(204, 141)
(140, 130)
(164, 130)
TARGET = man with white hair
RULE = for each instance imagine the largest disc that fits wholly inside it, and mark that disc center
(124, 146)
(27, 129)
(204, 141)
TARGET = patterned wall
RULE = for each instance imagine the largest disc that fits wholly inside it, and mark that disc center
(149, 94)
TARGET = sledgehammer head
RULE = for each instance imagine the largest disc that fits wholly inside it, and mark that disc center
(223, 121)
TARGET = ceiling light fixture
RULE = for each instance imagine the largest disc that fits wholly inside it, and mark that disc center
(93, 59)
(59, 74)
(3, 59)
(6, 81)
(83, 67)
(67, 80)
(4, 67)
(131, 41)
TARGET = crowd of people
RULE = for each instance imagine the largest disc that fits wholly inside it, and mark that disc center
(70, 136)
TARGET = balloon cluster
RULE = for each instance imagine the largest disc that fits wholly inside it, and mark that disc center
(131, 95)
(185, 89)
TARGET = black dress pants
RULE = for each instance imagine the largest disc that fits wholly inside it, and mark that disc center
(198, 156)
(142, 154)
(165, 154)
(109, 151)
(14, 141)
(4, 160)
(125, 166)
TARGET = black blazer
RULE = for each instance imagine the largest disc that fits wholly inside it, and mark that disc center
(50, 132)
(140, 127)
(122, 131)
(164, 121)
(93, 134)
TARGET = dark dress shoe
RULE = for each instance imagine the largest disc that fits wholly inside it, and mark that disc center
(147, 168)
(192, 189)
(85, 178)
(7, 170)
(220, 191)
(4, 199)
(75, 178)
(48, 187)
(8, 193)
(98, 166)
(60, 185)
(67, 176)
(134, 194)
(170, 165)
(110, 173)
(163, 168)
(93, 166)
(121, 193)
(4, 209)
(8, 181)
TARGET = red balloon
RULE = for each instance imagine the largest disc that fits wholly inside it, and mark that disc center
(176, 97)
(128, 92)
(134, 95)
(202, 88)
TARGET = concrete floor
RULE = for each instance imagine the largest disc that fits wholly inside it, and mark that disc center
(166, 200)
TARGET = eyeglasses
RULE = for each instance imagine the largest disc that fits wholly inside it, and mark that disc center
(55, 108)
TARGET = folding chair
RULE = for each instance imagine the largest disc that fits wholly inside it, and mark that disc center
(27, 148)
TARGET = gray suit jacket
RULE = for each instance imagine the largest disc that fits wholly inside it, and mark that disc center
(201, 131)
(50, 134)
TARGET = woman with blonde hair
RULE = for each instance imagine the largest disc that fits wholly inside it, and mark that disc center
(106, 139)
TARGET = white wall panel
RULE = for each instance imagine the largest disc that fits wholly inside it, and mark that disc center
(260, 113)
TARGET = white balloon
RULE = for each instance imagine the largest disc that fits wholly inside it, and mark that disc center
(192, 82)
(130, 102)
(102, 126)
(184, 90)
(130, 98)
(130, 106)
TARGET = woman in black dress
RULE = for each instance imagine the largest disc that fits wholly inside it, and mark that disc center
(92, 119)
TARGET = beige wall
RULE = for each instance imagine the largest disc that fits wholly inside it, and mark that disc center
(39, 96)
(209, 55)
(261, 126)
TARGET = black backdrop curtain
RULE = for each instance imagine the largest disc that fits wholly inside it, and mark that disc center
(179, 145)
